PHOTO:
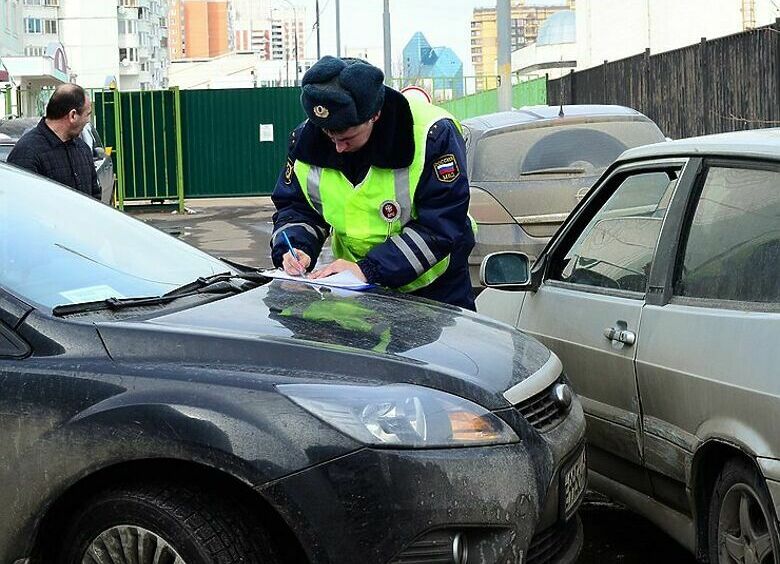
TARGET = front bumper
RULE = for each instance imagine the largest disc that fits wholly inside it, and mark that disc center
(502, 237)
(387, 506)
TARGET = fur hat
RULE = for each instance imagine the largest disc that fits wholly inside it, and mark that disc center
(340, 93)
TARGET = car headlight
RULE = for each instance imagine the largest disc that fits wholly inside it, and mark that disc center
(401, 415)
(485, 209)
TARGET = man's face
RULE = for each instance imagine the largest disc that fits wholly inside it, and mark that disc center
(78, 121)
(352, 139)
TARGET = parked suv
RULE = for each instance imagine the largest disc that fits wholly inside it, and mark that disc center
(528, 168)
(661, 295)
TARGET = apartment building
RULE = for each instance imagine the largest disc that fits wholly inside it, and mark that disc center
(10, 27)
(200, 29)
(272, 28)
(525, 22)
(119, 41)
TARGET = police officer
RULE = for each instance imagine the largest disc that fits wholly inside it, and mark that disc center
(385, 177)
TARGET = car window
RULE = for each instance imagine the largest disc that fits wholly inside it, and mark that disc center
(88, 137)
(58, 246)
(616, 248)
(733, 245)
(582, 150)
(5, 150)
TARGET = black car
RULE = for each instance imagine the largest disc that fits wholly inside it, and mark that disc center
(158, 405)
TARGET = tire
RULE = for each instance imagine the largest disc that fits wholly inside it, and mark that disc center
(742, 523)
(165, 523)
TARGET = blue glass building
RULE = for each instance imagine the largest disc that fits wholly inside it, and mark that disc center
(436, 67)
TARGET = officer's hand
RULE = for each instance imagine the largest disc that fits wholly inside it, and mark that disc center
(296, 267)
(337, 266)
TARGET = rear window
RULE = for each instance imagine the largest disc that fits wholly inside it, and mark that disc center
(578, 150)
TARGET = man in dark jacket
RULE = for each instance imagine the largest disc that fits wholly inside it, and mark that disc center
(384, 177)
(54, 148)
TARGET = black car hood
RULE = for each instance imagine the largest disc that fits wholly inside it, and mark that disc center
(302, 331)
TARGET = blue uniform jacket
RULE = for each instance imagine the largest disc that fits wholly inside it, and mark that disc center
(441, 200)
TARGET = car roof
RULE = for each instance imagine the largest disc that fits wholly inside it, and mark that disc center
(15, 128)
(761, 143)
(534, 114)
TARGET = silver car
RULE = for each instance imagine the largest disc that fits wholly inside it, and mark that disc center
(12, 130)
(528, 168)
(661, 295)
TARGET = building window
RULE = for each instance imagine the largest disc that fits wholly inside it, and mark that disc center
(129, 53)
(33, 25)
(128, 26)
(34, 51)
(50, 26)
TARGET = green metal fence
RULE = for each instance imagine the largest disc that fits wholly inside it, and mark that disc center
(8, 107)
(529, 93)
(222, 147)
(169, 145)
(144, 130)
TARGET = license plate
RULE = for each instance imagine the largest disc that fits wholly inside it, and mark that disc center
(574, 479)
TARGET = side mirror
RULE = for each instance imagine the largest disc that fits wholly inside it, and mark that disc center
(505, 269)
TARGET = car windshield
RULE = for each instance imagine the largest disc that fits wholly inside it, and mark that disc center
(582, 149)
(59, 247)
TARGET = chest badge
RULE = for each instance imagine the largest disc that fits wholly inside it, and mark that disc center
(389, 210)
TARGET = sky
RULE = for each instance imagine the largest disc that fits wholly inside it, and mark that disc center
(445, 23)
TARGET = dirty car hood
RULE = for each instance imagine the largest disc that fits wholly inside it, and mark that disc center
(368, 335)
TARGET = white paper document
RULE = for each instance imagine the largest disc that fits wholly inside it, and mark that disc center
(345, 280)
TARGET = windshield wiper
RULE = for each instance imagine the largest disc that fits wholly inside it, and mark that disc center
(554, 170)
(222, 283)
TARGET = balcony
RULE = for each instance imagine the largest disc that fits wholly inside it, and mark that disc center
(129, 69)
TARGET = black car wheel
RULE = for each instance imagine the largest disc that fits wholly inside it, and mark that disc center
(742, 525)
(165, 524)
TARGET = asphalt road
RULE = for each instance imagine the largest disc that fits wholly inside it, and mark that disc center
(241, 230)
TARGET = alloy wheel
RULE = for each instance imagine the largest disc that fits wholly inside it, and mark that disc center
(744, 536)
(128, 544)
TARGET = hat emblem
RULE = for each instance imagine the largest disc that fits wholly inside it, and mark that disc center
(321, 112)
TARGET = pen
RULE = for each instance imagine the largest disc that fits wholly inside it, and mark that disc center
(292, 251)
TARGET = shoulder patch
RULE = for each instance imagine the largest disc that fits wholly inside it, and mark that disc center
(288, 171)
(446, 168)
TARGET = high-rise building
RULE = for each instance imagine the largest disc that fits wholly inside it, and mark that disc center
(525, 22)
(121, 41)
(272, 28)
(200, 28)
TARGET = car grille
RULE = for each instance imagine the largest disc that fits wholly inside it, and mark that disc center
(541, 410)
(552, 543)
(433, 548)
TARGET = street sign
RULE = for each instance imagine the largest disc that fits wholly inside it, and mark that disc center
(416, 93)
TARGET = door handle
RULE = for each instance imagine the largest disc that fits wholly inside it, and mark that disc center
(620, 335)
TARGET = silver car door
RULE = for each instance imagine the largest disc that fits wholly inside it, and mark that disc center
(708, 356)
(589, 306)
